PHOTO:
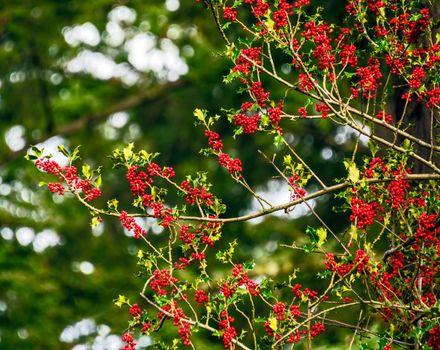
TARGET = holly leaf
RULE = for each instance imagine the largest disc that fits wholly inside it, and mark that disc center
(322, 236)
(199, 114)
(63, 150)
(353, 232)
(353, 171)
(122, 299)
(273, 323)
(86, 171)
(128, 151)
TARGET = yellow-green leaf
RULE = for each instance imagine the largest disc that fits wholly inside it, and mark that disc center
(273, 323)
(322, 236)
(353, 171)
(86, 171)
(128, 151)
(353, 232)
(113, 204)
(95, 221)
(230, 50)
(198, 113)
(98, 181)
(121, 301)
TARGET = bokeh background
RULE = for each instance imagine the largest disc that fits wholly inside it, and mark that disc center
(101, 74)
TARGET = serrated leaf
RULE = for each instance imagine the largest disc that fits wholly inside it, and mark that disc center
(63, 150)
(353, 232)
(287, 159)
(74, 154)
(264, 121)
(199, 114)
(95, 221)
(86, 171)
(37, 151)
(98, 181)
(140, 254)
(128, 151)
(278, 140)
(273, 323)
(373, 147)
(322, 236)
(353, 171)
(113, 204)
(249, 266)
(30, 157)
(122, 299)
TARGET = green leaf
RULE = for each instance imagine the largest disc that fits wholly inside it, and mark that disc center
(406, 144)
(98, 181)
(95, 221)
(264, 121)
(200, 115)
(121, 301)
(230, 50)
(353, 232)
(322, 236)
(64, 151)
(278, 140)
(37, 151)
(273, 323)
(353, 171)
(373, 147)
(312, 234)
(30, 157)
(75, 153)
(128, 151)
(113, 204)
(249, 266)
(86, 171)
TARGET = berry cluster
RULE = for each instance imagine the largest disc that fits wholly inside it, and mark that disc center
(304, 82)
(56, 188)
(48, 166)
(214, 140)
(297, 191)
(369, 78)
(228, 331)
(382, 115)
(70, 176)
(249, 124)
(280, 17)
(259, 93)
(233, 165)
(417, 77)
(247, 59)
(323, 109)
(127, 338)
(131, 225)
(275, 113)
(280, 311)
(201, 297)
(319, 35)
(161, 279)
(242, 279)
(196, 195)
(229, 14)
